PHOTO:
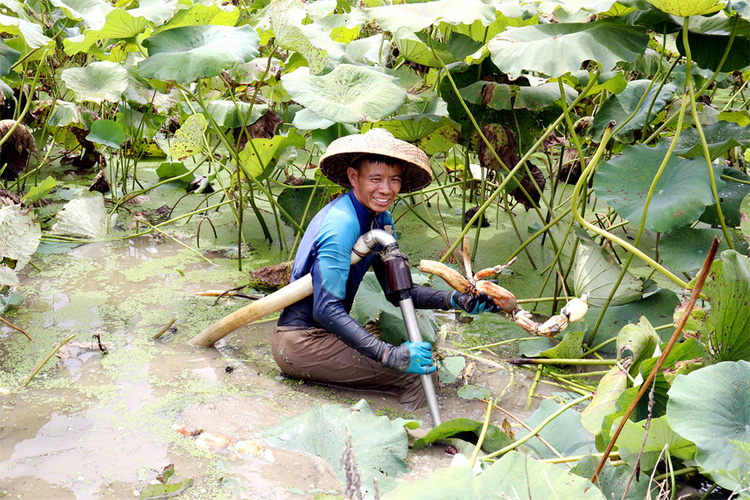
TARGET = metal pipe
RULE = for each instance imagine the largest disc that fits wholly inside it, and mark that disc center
(412, 331)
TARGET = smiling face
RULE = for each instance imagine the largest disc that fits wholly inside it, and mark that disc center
(375, 184)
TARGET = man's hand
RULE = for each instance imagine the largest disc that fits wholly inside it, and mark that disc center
(421, 357)
(473, 304)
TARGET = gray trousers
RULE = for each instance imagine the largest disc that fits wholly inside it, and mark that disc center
(314, 354)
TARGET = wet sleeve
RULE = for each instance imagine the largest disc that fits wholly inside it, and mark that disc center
(330, 272)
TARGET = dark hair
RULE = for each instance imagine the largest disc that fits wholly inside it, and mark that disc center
(390, 161)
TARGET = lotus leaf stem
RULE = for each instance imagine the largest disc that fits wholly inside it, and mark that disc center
(16, 328)
(538, 428)
(41, 363)
(483, 433)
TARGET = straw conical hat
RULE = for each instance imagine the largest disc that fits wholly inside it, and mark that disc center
(340, 154)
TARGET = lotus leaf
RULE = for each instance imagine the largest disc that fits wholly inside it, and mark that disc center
(565, 433)
(513, 476)
(99, 81)
(380, 446)
(15, 299)
(559, 48)
(728, 291)
(187, 53)
(465, 429)
(657, 307)
(348, 94)
(93, 13)
(617, 482)
(661, 440)
(685, 248)
(504, 96)
(745, 217)
(737, 186)
(720, 137)
(291, 33)
(570, 347)
(595, 273)
(430, 133)
(19, 235)
(8, 58)
(83, 216)
(156, 11)
(31, 33)
(604, 401)
(639, 102)
(415, 47)
(680, 195)
(107, 132)
(473, 392)
(690, 8)
(199, 14)
(418, 16)
(258, 155)
(188, 139)
(120, 25)
(370, 304)
(639, 340)
(711, 407)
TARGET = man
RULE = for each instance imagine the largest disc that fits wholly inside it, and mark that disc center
(316, 339)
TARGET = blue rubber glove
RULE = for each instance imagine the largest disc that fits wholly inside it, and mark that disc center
(473, 304)
(421, 358)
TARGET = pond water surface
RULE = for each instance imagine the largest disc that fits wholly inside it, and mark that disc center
(99, 425)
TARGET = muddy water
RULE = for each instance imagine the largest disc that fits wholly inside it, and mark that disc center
(99, 425)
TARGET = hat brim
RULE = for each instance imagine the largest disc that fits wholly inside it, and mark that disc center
(340, 154)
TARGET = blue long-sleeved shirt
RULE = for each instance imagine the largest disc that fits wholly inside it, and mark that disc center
(325, 253)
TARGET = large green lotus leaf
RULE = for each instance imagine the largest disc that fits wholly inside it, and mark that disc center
(417, 16)
(736, 187)
(572, 11)
(190, 52)
(414, 47)
(156, 11)
(258, 155)
(595, 273)
(514, 476)
(107, 132)
(93, 13)
(720, 137)
(685, 248)
(370, 304)
(565, 433)
(31, 32)
(120, 25)
(657, 307)
(19, 235)
(639, 340)
(616, 482)
(431, 133)
(559, 48)
(707, 50)
(688, 8)
(8, 58)
(711, 407)
(234, 114)
(379, 445)
(504, 96)
(348, 94)
(680, 196)
(605, 397)
(660, 437)
(506, 15)
(728, 291)
(99, 81)
(199, 14)
(620, 107)
(83, 216)
(291, 33)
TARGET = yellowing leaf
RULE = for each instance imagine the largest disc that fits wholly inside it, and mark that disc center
(687, 8)
(188, 140)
